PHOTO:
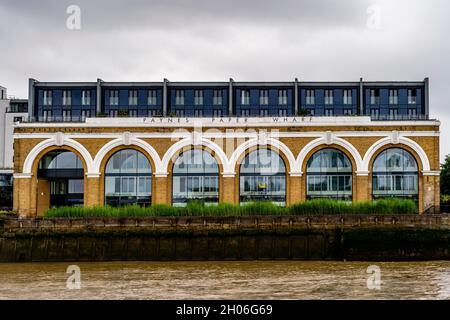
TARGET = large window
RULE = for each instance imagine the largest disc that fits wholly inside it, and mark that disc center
(245, 97)
(347, 96)
(64, 172)
(263, 177)
(179, 97)
(128, 179)
(217, 97)
(412, 96)
(114, 97)
(198, 97)
(329, 94)
(60, 159)
(132, 97)
(329, 175)
(47, 97)
(282, 97)
(6, 191)
(195, 178)
(86, 97)
(263, 97)
(310, 96)
(152, 97)
(395, 174)
(374, 96)
(67, 98)
(393, 96)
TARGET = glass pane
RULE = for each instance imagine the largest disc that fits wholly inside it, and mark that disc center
(263, 161)
(60, 160)
(395, 174)
(263, 177)
(195, 177)
(329, 160)
(76, 186)
(329, 175)
(128, 178)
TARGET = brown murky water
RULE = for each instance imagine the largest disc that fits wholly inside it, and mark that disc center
(226, 280)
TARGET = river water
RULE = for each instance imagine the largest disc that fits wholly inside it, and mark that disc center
(228, 280)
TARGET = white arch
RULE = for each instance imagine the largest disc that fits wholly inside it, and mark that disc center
(123, 141)
(255, 142)
(323, 141)
(32, 155)
(189, 141)
(401, 141)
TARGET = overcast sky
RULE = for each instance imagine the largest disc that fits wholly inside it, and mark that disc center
(257, 40)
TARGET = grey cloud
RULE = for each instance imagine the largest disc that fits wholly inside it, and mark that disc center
(113, 15)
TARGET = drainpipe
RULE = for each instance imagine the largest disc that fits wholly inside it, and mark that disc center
(230, 97)
(99, 96)
(427, 97)
(165, 97)
(361, 97)
(31, 97)
(296, 97)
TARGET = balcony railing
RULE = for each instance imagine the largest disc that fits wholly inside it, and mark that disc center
(55, 119)
(399, 117)
(17, 109)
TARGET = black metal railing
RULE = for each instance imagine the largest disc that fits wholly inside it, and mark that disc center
(17, 109)
(399, 117)
(442, 209)
(55, 119)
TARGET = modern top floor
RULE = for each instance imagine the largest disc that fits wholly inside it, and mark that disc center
(74, 101)
(11, 104)
(17, 106)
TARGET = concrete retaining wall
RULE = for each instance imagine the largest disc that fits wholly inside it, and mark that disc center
(401, 237)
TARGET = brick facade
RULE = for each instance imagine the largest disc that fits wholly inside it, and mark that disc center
(295, 144)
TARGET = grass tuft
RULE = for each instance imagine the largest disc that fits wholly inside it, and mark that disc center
(311, 207)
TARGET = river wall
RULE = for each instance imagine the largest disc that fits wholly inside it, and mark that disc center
(326, 237)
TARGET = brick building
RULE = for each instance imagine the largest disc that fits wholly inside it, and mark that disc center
(115, 144)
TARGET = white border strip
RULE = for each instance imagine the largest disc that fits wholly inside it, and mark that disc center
(215, 135)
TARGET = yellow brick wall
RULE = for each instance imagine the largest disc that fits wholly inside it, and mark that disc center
(227, 191)
(27, 190)
(431, 147)
(43, 196)
(93, 145)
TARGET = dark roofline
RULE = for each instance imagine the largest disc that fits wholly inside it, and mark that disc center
(237, 83)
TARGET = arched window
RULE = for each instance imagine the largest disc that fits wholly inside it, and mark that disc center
(60, 159)
(128, 179)
(61, 174)
(329, 175)
(263, 177)
(395, 174)
(195, 177)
